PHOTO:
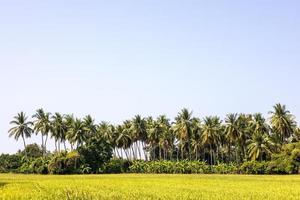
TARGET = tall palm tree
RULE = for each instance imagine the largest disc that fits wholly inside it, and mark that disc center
(244, 124)
(58, 130)
(183, 130)
(21, 128)
(68, 124)
(232, 131)
(42, 124)
(123, 141)
(259, 145)
(259, 125)
(76, 133)
(139, 132)
(196, 142)
(89, 126)
(282, 122)
(166, 139)
(211, 134)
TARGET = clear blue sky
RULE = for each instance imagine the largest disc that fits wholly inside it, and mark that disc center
(114, 59)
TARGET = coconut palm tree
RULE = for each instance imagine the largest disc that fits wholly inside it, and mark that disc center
(76, 133)
(68, 122)
(58, 130)
(259, 145)
(166, 139)
(89, 126)
(183, 130)
(21, 128)
(259, 125)
(196, 142)
(139, 133)
(232, 131)
(282, 122)
(244, 124)
(211, 134)
(123, 141)
(42, 124)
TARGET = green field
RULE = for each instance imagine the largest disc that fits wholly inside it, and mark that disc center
(149, 187)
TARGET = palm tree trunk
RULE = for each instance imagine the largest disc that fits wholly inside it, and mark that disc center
(43, 144)
(46, 143)
(126, 154)
(55, 145)
(133, 154)
(229, 152)
(24, 146)
(65, 146)
(159, 150)
(118, 154)
(210, 148)
(139, 150)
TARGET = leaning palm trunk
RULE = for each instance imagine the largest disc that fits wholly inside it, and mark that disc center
(139, 149)
(133, 154)
(126, 154)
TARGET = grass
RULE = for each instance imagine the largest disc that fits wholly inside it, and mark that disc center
(131, 186)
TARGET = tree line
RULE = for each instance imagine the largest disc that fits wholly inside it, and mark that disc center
(236, 139)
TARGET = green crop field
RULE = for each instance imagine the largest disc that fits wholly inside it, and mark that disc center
(130, 186)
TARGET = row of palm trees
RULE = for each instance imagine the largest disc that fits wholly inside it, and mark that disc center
(238, 138)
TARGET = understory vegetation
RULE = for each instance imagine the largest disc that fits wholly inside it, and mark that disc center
(239, 144)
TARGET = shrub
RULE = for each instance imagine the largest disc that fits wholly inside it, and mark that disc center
(116, 166)
(10, 163)
(95, 153)
(253, 167)
(64, 163)
(170, 167)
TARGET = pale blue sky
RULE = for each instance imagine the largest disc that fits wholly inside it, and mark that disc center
(115, 59)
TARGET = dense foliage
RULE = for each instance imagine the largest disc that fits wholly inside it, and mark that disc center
(246, 143)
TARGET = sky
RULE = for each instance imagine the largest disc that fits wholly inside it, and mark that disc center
(115, 59)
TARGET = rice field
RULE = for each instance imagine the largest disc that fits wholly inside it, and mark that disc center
(132, 186)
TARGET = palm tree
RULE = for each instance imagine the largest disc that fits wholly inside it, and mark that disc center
(89, 126)
(183, 130)
(22, 128)
(166, 139)
(68, 124)
(58, 130)
(232, 131)
(244, 124)
(42, 125)
(259, 125)
(139, 133)
(123, 141)
(259, 145)
(160, 138)
(211, 134)
(76, 133)
(282, 122)
(196, 142)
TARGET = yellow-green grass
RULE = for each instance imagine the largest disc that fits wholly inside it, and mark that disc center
(132, 186)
